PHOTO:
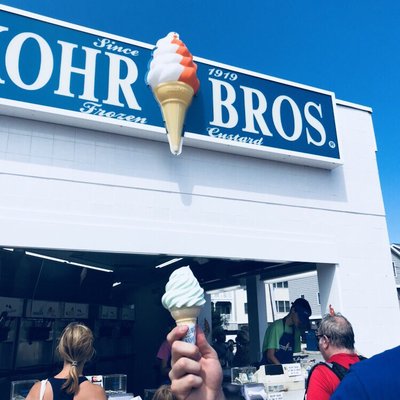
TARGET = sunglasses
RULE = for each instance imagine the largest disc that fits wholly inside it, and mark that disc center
(320, 336)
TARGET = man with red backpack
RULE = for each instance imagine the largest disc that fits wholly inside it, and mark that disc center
(336, 343)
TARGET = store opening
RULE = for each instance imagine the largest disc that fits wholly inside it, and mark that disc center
(118, 296)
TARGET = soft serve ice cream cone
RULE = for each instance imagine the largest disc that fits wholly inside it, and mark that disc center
(184, 298)
(172, 77)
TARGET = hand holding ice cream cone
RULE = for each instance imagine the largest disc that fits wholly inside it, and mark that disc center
(172, 77)
(184, 298)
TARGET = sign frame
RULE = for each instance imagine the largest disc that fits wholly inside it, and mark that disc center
(61, 116)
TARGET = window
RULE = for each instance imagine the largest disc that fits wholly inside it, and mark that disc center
(223, 307)
(318, 299)
(282, 306)
(245, 308)
(394, 269)
(280, 285)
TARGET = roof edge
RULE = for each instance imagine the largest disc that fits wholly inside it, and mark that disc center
(353, 105)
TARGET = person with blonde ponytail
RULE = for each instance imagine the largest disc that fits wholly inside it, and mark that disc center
(75, 348)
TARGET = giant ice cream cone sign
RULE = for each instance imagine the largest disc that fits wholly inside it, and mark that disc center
(172, 77)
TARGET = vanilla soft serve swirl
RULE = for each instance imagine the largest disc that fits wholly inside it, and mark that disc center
(182, 290)
(171, 62)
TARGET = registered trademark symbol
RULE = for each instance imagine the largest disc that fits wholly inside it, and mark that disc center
(332, 144)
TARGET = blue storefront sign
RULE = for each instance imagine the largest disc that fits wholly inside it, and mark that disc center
(63, 73)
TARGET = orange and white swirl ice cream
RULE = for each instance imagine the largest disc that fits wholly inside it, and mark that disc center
(172, 77)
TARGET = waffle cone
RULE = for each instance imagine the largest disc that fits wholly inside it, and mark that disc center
(174, 98)
(186, 316)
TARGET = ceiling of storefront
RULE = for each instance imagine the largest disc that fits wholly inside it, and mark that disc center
(23, 275)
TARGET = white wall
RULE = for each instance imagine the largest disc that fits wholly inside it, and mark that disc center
(240, 297)
(65, 187)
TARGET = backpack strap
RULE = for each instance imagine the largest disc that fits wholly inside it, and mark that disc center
(43, 384)
(336, 368)
(327, 365)
(339, 370)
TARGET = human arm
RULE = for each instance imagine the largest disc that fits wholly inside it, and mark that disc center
(98, 393)
(164, 358)
(34, 392)
(196, 372)
(270, 355)
(271, 342)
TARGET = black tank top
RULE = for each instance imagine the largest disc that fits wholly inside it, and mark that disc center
(60, 394)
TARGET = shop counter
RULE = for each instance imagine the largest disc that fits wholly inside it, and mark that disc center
(289, 395)
(294, 395)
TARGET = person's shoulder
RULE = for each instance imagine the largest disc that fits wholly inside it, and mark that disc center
(98, 393)
(388, 354)
(379, 362)
(276, 324)
(274, 331)
(34, 392)
(98, 390)
(91, 391)
(321, 369)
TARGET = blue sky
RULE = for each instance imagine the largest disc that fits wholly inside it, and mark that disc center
(349, 47)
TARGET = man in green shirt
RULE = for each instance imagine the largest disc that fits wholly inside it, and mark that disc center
(282, 337)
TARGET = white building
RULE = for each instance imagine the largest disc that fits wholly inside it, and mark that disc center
(395, 251)
(231, 302)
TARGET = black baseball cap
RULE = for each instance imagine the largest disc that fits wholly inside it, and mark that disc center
(303, 310)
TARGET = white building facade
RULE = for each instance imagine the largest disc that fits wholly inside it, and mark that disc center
(395, 250)
(280, 293)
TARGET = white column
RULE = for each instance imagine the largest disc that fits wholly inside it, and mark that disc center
(328, 288)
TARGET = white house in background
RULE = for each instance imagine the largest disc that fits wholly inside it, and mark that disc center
(395, 250)
(280, 293)
(231, 302)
